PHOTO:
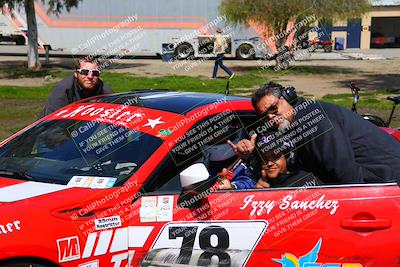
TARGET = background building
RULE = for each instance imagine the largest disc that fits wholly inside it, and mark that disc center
(379, 28)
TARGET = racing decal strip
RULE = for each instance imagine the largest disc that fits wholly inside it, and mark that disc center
(120, 239)
(104, 241)
(98, 243)
(140, 119)
(106, 24)
(28, 190)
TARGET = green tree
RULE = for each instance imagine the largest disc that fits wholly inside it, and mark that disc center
(275, 14)
(55, 7)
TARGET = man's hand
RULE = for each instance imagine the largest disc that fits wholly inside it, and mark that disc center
(244, 147)
(261, 182)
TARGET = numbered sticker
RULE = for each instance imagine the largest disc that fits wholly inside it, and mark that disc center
(206, 243)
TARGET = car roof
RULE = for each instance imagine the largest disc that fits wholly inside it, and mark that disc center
(171, 101)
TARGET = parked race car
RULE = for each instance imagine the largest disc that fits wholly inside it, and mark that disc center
(108, 181)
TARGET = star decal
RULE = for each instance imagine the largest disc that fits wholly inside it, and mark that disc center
(152, 123)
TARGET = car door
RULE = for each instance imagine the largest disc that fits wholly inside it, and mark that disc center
(326, 225)
(343, 225)
(316, 226)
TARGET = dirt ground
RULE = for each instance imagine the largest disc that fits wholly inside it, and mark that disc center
(318, 77)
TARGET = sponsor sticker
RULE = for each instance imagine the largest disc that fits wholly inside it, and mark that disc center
(68, 249)
(165, 208)
(92, 181)
(107, 222)
(310, 259)
(156, 209)
(164, 133)
(148, 209)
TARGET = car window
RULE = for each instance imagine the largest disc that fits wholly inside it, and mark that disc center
(205, 142)
(68, 152)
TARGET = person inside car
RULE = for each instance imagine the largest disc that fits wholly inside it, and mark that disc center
(281, 169)
(332, 142)
(238, 177)
(217, 153)
(273, 170)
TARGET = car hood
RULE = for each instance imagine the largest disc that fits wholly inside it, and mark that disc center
(11, 191)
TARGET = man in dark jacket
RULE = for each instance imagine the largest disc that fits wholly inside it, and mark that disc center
(332, 142)
(84, 83)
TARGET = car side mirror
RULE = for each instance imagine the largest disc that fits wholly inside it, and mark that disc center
(196, 186)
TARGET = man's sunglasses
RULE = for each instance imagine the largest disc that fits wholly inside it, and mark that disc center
(95, 73)
(273, 109)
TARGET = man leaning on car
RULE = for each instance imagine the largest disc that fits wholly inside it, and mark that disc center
(84, 83)
(332, 142)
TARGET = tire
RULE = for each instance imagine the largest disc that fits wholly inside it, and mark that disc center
(245, 51)
(24, 264)
(327, 48)
(184, 51)
(20, 40)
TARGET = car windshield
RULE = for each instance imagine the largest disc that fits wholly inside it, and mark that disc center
(79, 153)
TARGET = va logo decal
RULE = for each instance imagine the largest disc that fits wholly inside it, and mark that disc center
(310, 259)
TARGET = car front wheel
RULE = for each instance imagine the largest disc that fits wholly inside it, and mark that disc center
(245, 51)
(184, 51)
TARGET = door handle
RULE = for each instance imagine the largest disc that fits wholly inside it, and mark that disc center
(365, 224)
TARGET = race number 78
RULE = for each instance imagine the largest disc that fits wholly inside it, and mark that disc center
(206, 243)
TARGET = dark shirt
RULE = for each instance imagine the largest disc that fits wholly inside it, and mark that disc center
(245, 179)
(341, 147)
(297, 178)
(68, 91)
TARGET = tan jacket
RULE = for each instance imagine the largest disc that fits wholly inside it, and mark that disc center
(219, 44)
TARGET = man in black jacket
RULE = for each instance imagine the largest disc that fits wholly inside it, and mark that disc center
(84, 83)
(332, 142)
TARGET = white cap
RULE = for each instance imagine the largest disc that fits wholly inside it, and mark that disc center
(194, 174)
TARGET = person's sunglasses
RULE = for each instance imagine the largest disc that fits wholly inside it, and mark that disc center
(273, 109)
(95, 73)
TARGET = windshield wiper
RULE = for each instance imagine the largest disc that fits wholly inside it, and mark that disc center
(17, 175)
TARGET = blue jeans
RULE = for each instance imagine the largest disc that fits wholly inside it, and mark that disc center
(218, 62)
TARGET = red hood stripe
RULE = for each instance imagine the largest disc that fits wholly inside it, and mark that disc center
(141, 119)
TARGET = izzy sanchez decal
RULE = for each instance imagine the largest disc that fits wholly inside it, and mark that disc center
(310, 259)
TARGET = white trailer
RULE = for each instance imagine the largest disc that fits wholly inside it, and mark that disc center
(148, 27)
(10, 32)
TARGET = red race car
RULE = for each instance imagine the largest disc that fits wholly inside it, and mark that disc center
(107, 182)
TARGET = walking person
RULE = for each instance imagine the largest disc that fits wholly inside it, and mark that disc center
(220, 46)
